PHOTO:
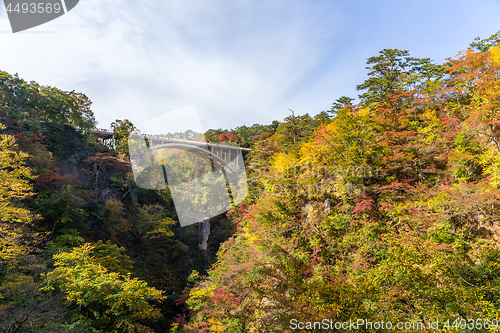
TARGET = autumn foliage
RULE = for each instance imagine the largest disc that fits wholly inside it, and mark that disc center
(389, 211)
(384, 210)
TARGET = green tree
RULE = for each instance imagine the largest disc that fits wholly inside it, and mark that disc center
(394, 70)
(340, 103)
(153, 219)
(62, 208)
(484, 45)
(122, 129)
(112, 257)
(31, 105)
(294, 130)
(109, 301)
(116, 224)
(212, 135)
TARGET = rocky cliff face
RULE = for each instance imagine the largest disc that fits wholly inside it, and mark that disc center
(204, 232)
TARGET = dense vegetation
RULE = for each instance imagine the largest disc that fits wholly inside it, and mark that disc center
(82, 248)
(387, 211)
(384, 210)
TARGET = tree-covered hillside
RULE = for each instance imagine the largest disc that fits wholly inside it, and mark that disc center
(83, 249)
(388, 211)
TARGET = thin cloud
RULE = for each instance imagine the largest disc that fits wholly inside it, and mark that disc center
(239, 63)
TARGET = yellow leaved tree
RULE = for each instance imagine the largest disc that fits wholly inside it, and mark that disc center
(108, 301)
(14, 186)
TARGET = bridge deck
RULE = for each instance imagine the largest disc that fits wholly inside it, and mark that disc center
(160, 139)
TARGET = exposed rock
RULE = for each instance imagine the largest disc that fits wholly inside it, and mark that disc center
(133, 196)
(204, 232)
(107, 195)
(328, 206)
(68, 167)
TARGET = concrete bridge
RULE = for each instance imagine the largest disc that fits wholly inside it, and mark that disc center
(223, 156)
(197, 199)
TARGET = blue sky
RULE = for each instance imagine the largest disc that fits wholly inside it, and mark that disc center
(239, 62)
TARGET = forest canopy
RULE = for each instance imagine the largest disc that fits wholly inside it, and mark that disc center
(382, 210)
(386, 211)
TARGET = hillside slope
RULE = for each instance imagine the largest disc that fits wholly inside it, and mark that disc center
(389, 212)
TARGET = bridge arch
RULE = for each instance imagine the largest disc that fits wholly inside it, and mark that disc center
(201, 151)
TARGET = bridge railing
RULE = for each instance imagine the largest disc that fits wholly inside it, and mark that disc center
(166, 139)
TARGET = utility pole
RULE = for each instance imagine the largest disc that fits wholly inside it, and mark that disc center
(293, 126)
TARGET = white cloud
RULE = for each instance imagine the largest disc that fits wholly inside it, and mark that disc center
(239, 63)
